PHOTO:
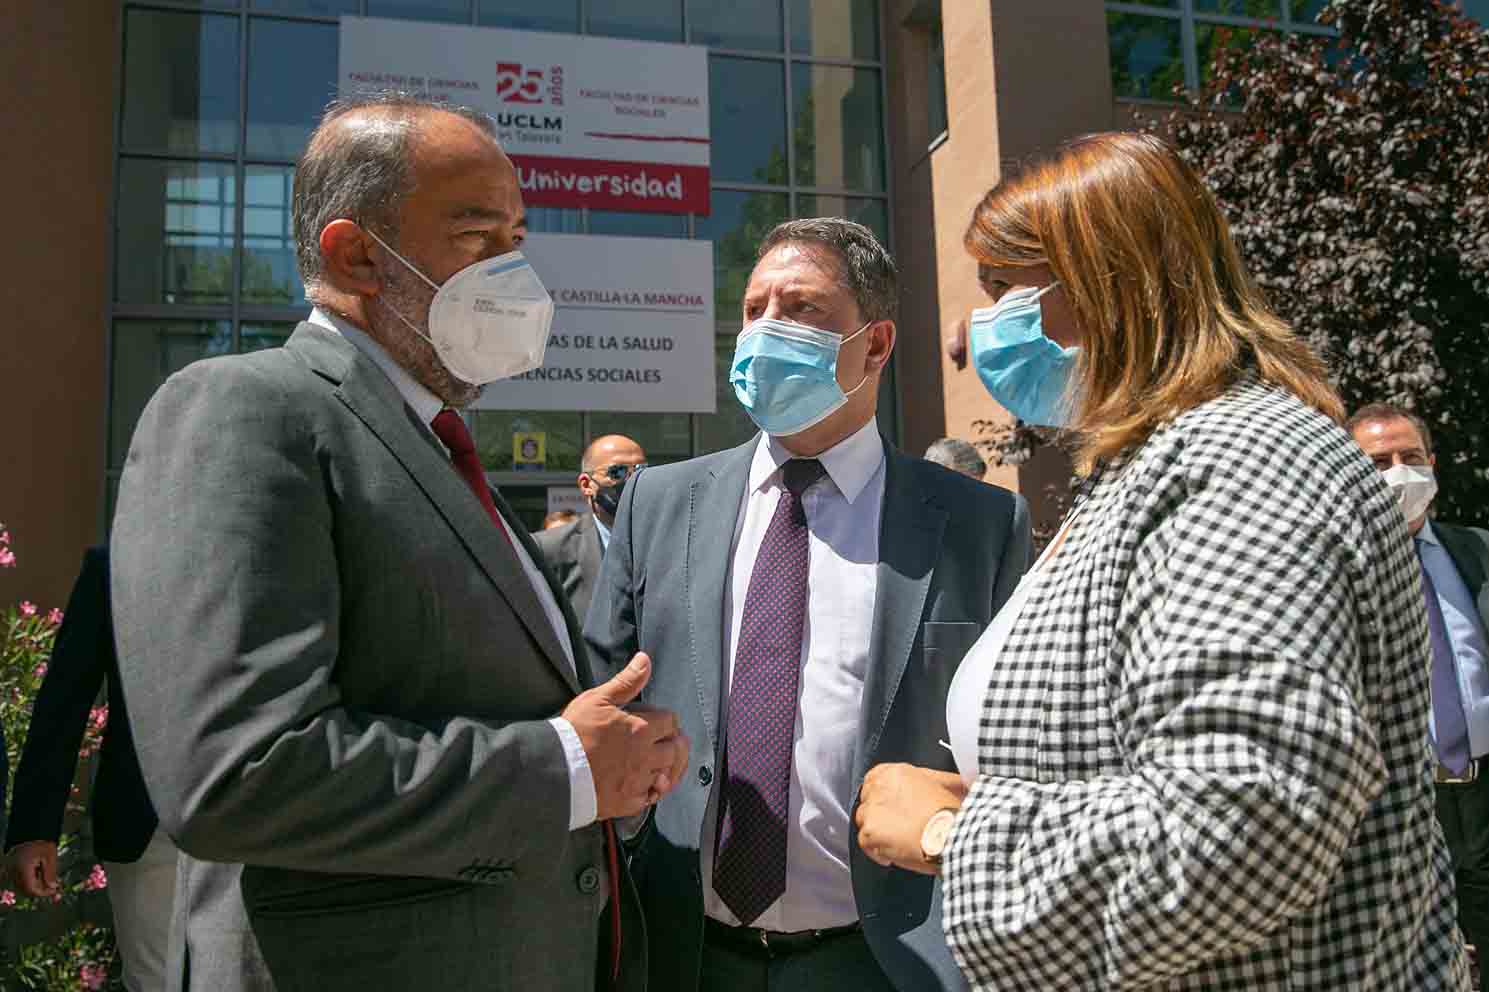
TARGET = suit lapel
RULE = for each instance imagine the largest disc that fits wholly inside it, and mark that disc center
(713, 510)
(591, 552)
(581, 676)
(910, 532)
(375, 401)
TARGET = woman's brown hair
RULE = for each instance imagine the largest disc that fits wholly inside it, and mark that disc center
(1168, 314)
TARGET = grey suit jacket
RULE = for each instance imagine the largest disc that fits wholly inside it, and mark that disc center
(951, 550)
(573, 553)
(338, 680)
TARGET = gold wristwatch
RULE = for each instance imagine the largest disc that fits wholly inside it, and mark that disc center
(937, 831)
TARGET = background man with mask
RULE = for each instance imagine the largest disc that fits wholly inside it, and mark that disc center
(574, 551)
(1455, 562)
(807, 597)
(344, 668)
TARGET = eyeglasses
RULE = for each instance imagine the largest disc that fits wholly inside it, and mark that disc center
(618, 473)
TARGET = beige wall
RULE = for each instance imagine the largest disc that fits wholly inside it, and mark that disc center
(57, 69)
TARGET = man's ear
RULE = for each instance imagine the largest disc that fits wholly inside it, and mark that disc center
(587, 485)
(349, 267)
(881, 344)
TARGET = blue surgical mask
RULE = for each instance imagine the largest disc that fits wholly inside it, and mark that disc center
(1025, 371)
(785, 375)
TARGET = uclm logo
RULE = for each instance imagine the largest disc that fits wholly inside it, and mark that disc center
(516, 83)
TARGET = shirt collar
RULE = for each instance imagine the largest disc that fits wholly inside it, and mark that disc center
(850, 463)
(1427, 535)
(602, 530)
(424, 403)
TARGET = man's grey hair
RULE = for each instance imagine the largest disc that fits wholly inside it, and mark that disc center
(957, 455)
(865, 268)
(360, 173)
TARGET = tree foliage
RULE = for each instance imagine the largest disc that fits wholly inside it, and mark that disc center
(1355, 174)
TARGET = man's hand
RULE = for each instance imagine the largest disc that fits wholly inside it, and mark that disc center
(636, 756)
(34, 867)
(894, 805)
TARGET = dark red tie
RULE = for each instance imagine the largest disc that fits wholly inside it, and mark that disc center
(453, 434)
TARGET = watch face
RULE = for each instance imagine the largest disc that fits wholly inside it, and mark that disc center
(937, 830)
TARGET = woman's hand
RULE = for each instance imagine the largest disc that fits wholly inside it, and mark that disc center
(894, 805)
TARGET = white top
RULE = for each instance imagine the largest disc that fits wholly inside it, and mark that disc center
(583, 804)
(969, 687)
(842, 510)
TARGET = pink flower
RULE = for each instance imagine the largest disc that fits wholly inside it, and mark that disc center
(98, 717)
(7, 558)
(54, 617)
(41, 671)
(28, 608)
(96, 879)
(7, 898)
(4, 535)
(93, 976)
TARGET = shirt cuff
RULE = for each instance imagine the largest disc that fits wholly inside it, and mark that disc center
(584, 807)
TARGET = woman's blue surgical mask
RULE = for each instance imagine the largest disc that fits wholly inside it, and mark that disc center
(1026, 372)
(785, 375)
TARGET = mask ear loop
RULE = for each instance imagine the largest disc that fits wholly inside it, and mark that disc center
(844, 341)
(411, 266)
(415, 270)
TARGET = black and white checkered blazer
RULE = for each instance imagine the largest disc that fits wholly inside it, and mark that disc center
(1203, 756)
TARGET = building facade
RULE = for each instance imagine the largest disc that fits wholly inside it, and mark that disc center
(150, 157)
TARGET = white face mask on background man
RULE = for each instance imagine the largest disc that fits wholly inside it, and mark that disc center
(1414, 487)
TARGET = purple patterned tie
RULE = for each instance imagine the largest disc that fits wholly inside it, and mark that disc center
(1447, 699)
(749, 868)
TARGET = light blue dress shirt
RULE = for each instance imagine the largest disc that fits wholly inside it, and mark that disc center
(604, 533)
(1466, 631)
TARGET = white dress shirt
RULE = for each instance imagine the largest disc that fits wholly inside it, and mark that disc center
(842, 510)
(583, 804)
(604, 533)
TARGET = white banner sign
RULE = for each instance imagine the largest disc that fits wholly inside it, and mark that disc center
(633, 330)
(589, 122)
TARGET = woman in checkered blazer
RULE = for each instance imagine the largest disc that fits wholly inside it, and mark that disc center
(1194, 745)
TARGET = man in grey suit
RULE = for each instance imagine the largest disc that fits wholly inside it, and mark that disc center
(574, 551)
(359, 706)
(807, 597)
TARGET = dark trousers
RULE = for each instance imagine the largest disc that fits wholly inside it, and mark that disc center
(1463, 811)
(838, 963)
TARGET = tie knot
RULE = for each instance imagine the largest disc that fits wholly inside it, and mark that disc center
(452, 433)
(798, 474)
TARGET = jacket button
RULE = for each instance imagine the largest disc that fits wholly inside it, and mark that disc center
(589, 881)
(705, 775)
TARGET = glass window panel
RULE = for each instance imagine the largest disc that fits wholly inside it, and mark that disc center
(871, 213)
(646, 20)
(1268, 9)
(747, 118)
(180, 82)
(1209, 39)
(835, 28)
(1307, 11)
(493, 430)
(307, 6)
(529, 504)
(737, 224)
(270, 275)
(1147, 55)
(456, 11)
(837, 127)
(554, 220)
(731, 24)
(146, 352)
(665, 437)
(257, 337)
(530, 15)
(174, 242)
(291, 78)
(730, 425)
(638, 225)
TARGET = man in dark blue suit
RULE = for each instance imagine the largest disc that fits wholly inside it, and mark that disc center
(806, 599)
(140, 861)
